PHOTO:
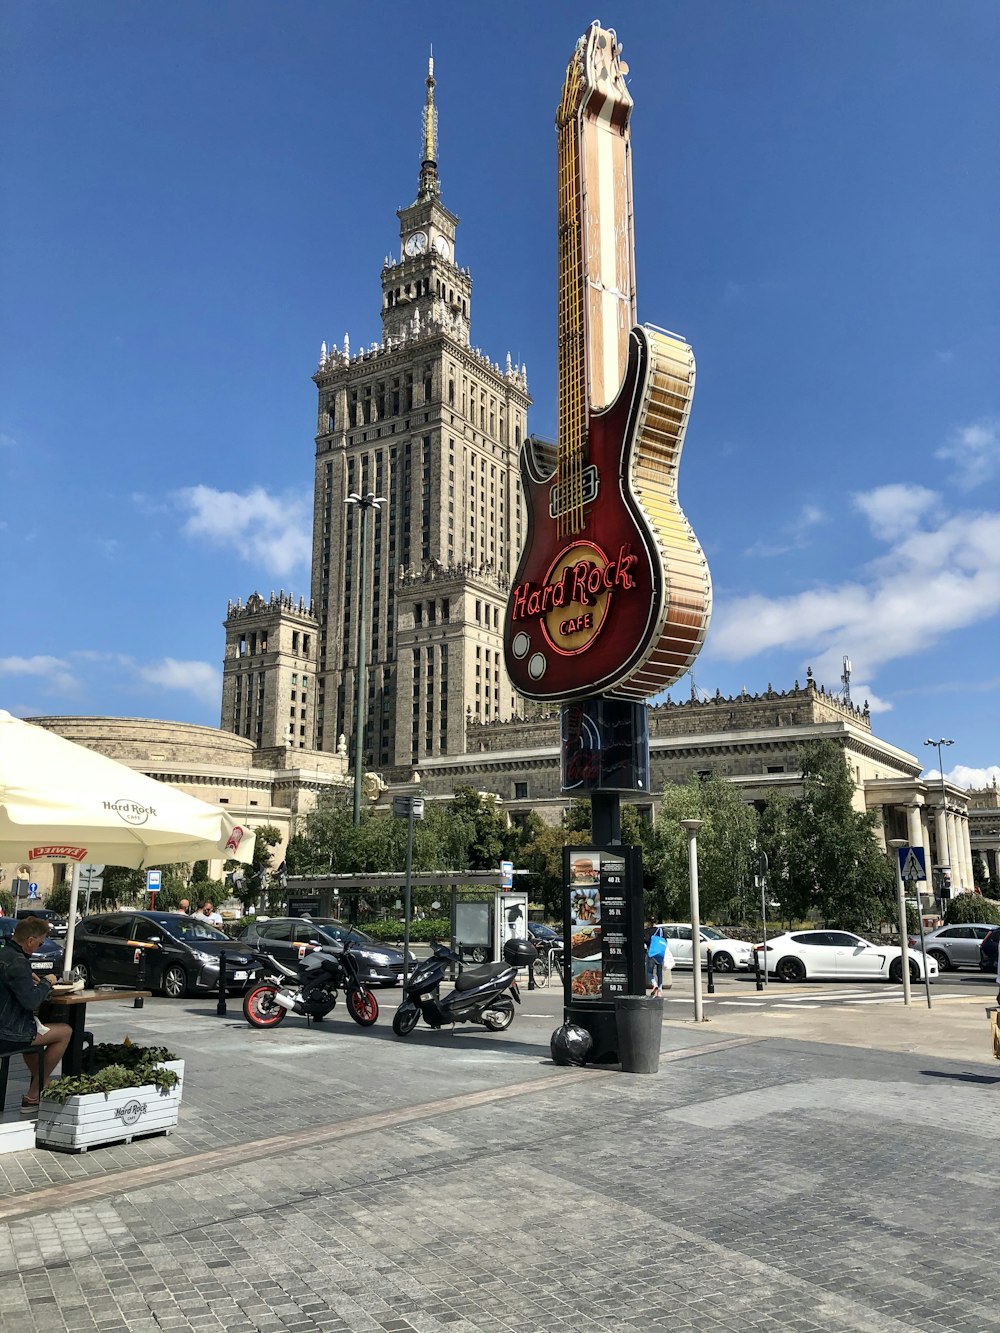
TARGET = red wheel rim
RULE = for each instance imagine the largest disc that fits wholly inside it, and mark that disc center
(365, 1005)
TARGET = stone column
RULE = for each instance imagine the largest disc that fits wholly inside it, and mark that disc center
(963, 828)
(957, 872)
(941, 831)
(917, 837)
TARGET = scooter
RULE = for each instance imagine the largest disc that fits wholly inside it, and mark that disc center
(479, 994)
(310, 989)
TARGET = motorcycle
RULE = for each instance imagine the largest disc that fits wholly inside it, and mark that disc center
(310, 989)
(479, 995)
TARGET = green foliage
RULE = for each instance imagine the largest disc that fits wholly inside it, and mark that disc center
(972, 907)
(199, 873)
(421, 931)
(57, 899)
(725, 851)
(6, 902)
(113, 1078)
(578, 821)
(128, 1054)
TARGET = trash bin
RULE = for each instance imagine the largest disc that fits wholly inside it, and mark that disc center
(639, 1019)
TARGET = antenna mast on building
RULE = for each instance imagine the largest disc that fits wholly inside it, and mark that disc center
(846, 679)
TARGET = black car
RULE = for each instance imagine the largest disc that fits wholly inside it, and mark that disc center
(289, 938)
(57, 923)
(544, 937)
(181, 954)
(47, 960)
(988, 948)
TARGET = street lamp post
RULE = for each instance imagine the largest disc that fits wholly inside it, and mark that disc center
(692, 826)
(944, 810)
(364, 503)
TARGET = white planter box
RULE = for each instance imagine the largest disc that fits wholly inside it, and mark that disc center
(84, 1122)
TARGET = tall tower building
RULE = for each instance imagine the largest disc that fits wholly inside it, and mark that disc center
(432, 424)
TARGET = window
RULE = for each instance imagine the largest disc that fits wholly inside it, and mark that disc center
(520, 791)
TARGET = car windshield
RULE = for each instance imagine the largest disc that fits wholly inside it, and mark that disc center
(350, 933)
(185, 928)
(710, 933)
(544, 932)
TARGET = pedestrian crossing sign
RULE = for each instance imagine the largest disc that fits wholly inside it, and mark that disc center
(911, 863)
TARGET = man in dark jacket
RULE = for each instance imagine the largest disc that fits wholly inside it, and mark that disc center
(22, 994)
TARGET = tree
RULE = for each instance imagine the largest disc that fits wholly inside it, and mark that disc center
(972, 907)
(835, 865)
(726, 854)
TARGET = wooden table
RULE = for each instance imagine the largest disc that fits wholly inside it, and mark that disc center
(76, 1002)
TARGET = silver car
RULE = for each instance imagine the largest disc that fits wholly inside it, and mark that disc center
(727, 955)
(955, 946)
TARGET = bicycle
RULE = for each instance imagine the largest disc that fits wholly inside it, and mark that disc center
(542, 968)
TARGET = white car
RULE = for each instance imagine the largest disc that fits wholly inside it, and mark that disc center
(837, 955)
(727, 954)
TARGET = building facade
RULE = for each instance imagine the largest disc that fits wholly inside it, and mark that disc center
(430, 423)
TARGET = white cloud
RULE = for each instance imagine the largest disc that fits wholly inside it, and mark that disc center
(975, 451)
(197, 678)
(971, 777)
(796, 534)
(54, 673)
(272, 532)
(931, 581)
(892, 510)
(7, 441)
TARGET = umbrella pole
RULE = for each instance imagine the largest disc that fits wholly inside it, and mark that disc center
(74, 895)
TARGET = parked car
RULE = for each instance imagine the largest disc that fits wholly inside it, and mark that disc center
(181, 954)
(544, 937)
(727, 955)
(988, 948)
(57, 923)
(47, 960)
(955, 946)
(837, 955)
(289, 938)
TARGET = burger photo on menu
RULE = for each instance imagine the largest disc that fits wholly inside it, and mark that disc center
(583, 870)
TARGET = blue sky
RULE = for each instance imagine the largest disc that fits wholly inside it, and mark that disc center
(195, 195)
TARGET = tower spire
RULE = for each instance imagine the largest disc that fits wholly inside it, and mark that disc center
(430, 186)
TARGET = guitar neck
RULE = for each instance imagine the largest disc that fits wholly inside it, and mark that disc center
(596, 252)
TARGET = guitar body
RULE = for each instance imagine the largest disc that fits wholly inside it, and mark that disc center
(621, 606)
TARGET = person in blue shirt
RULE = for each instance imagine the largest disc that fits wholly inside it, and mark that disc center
(22, 994)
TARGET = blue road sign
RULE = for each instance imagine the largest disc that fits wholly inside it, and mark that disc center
(153, 879)
(32, 890)
(911, 863)
(506, 874)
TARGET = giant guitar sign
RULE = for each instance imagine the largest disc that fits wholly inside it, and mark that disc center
(612, 594)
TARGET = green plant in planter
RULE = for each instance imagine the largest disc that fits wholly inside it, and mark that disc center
(129, 1054)
(113, 1078)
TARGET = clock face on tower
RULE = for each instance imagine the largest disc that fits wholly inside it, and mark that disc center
(442, 247)
(416, 244)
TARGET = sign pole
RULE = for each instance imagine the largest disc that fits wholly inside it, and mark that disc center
(912, 882)
(691, 826)
(897, 844)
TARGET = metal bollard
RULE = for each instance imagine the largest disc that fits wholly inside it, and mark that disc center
(756, 970)
(710, 975)
(140, 979)
(220, 1007)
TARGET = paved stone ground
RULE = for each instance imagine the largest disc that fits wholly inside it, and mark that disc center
(752, 1184)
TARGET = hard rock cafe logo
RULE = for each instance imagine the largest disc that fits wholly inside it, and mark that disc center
(574, 600)
(234, 840)
(131, 1112)
(133, 812)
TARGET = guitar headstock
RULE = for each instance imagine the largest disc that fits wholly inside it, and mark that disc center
(603, 71)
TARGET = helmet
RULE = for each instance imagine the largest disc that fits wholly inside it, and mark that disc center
(571, 1044)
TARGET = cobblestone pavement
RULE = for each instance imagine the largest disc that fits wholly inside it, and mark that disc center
(752, 1183)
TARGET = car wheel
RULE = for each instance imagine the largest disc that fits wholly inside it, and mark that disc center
(83, 972)
(790, 969)
(175, 982)
(723, 962)
(478, 954)
(942, 960)
(896, 970)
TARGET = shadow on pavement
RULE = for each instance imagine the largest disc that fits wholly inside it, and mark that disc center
(961, 1078)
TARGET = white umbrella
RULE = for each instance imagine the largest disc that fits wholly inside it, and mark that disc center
(62, 802)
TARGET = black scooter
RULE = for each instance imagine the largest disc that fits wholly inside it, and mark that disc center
(479, 994)
(310, 989)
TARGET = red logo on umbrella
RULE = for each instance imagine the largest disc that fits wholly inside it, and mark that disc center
(234, 840)
(57, 852)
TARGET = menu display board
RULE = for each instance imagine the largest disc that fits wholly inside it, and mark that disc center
(598, 917)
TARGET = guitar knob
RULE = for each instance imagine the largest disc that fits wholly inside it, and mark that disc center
(536, 667)
(520, 645)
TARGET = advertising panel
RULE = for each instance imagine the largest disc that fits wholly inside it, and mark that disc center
(603, 924)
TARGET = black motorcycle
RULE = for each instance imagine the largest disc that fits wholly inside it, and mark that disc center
(480, 994)
(311, 989)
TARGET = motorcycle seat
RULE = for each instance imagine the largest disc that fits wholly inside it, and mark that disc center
(471, 977)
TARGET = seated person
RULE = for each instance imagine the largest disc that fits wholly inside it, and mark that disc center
(22, 994)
